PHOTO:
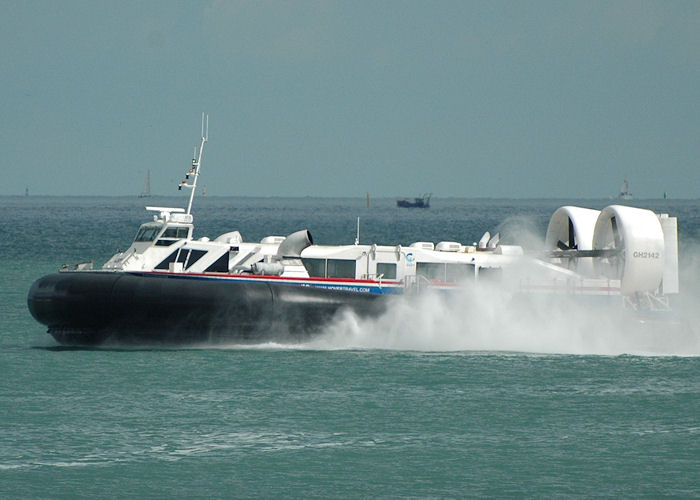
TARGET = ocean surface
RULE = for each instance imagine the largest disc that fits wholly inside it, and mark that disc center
(443, 399)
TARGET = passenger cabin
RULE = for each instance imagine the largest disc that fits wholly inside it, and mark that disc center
(447, 263)
(166, 245)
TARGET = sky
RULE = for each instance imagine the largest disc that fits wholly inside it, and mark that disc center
(513, 99)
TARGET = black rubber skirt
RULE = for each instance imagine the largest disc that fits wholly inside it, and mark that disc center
(92, 308)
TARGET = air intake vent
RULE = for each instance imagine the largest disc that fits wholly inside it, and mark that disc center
(425, 245)
(449, 246)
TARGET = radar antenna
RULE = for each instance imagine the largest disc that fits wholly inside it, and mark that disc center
(196, 163)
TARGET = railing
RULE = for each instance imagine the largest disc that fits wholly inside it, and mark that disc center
(646, 301)
(415, 283)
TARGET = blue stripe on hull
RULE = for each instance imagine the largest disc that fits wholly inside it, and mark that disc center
(362, 287)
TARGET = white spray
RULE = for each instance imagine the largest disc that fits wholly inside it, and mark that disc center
(489, 317)
(485, 318)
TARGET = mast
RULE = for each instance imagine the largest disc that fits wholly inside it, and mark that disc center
(196, 163)
(146, 193)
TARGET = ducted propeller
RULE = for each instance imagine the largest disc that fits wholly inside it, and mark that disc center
(572, 245)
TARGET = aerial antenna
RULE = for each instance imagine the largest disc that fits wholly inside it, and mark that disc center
(196, 162)
(357, 238)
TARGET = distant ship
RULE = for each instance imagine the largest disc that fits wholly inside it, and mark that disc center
(625, 193)
(146, 193)
(421, 202)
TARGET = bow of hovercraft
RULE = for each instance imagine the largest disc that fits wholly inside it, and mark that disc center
(92, 308)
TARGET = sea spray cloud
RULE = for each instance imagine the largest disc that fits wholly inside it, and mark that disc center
(497, 317)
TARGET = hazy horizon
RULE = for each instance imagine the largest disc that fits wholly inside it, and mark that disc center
(358, 197)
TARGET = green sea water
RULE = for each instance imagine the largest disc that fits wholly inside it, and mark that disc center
(427, 401)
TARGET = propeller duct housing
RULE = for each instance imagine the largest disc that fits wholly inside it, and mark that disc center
(637, 236)
(571, 228)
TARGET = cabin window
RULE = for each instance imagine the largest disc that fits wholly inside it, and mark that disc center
(337, 268)
(165, 243)
(172, 234)
(219, 266)
(166, 262)
(457, 273)
(315, 267)
(431, 270)
(184, 256)
(176, 232)
(387, 269)
(188, 258)
(330, 268)
(445, 272)
(147, 233)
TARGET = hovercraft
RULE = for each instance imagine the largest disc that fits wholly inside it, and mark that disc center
(170, 288)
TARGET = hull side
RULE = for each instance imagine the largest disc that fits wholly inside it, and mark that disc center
(91, 308)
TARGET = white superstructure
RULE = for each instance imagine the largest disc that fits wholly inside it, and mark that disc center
(621, 251)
